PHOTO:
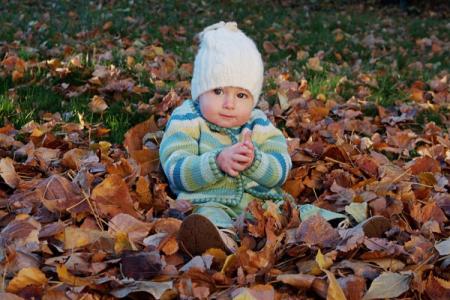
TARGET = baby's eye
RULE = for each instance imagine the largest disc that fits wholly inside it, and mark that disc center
(218, 91)
(242, 96)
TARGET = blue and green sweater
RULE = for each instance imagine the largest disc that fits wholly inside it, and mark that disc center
(191, 144)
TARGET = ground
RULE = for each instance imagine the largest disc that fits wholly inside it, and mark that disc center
(360, 91)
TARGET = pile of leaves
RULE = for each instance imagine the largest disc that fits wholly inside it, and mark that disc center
(81, 217)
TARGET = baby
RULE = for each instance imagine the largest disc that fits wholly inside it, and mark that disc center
(218, 151)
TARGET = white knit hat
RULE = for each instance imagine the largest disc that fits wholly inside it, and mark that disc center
(227, 57)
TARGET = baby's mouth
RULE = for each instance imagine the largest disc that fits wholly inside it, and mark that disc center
(226, 116)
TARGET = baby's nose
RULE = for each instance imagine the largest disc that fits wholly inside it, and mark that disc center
(228, 102)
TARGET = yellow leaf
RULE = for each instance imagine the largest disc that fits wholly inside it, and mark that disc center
(335, 291)
(25, 277)
(104, 147)
(219, 255)
(229, 261)
(80, 237)
(323, 261)
(122, 242)
(245, 296)
(65, 276)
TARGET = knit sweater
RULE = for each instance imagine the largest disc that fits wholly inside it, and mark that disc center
(191, 144)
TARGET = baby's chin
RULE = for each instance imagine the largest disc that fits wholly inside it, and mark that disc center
(229, 123)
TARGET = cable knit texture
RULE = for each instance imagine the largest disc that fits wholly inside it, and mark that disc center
(227, 57)
(191, 144)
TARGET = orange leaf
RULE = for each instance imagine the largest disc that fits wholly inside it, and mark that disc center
(143, 190)
(72, 158)
(425, 164)
(133, 137)
(112, 197)
(170, 245)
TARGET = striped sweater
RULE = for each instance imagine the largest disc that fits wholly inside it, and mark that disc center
(191, 144)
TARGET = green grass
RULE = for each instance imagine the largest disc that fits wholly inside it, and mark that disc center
(43, 30)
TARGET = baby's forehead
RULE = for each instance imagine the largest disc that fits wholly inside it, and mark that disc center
(234, 89)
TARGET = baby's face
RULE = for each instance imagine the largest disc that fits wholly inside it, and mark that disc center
(227, 107)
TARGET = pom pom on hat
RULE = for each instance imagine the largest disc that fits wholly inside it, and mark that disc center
(227, 57)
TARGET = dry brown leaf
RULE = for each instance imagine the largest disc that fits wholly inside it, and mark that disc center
(60, 195)
(143, 190)
(167, 225)
(437, 288)
(112, 197)
(8, 173)
(353, 286)
(425, 164)
(300, 281)
(335, 291)
(257, 211)
(9, 296)
(78, 237)
(73, 158)
(317, 231)
(136, 230)
(314, 64)
(25, 277)
(269, 47)
(170, 245)
(97, 104)
(256, 292)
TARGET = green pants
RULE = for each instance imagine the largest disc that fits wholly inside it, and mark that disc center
(222, 216)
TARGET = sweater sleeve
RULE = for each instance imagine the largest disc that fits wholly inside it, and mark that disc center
(185, 169)
(272, 161)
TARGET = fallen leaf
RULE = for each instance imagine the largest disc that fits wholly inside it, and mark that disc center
(334, 291)
(314, 64)
(317, 231)
(388, 285)
(300, 281)
(256, 292)
(133, 137)
(112, 197)
(8, 173)
(141, 265)
(437, 288)
(97, 104)
(25, 277)
(323, 261)
(353, 286)
(156, 289)
(78, 237)
(65, 276)
(74, 157)
(443, 247)
(134, 229)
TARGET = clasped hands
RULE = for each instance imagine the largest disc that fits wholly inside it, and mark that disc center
(238, 157)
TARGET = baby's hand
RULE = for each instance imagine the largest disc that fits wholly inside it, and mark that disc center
(238, 157)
